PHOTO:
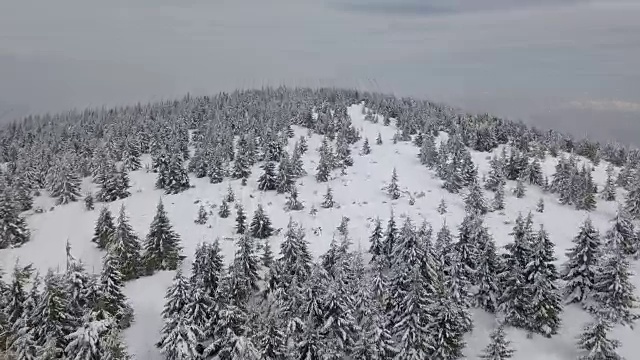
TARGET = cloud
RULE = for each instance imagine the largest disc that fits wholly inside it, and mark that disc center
(605, 105)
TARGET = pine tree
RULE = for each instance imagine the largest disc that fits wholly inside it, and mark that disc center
(442, 207)
(296, 164)
(295, 258)
(499, 348)
(113, 349)
(173, 177)
(323, 170)
(366, 148)
(162, 244)
(540, 205)
(224, 211)
(131, 157)
(579, 271)
(622, 234)
(613, 291)
(376, 249)
(179, 340)
(293, 203)
(241, 220)
(260, 226)
(609, 190)
(23, 346)
(244, 271)
(327, 201)
(520, 189)
(13, 228)
(496, 174)
(393, 190)
(498, 197)
(595, 343)
(202, 216)
(114, 184)
(445, 329)
(126, 248)
(486, 277)
(88, 202)
(267, 181)
(207, 267)
(230, 197)
(85, 342)
(177, 297)
(112, 299)
(64, 184)
(216, 171)
(544, 300)
(50, 317)
(267, 255)
(379, 139)
(474, 201)
(632, 201)
(105, 230)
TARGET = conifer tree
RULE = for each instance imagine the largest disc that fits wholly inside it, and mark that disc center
(296, 164)
(202, 216)
(595, 344)
(179, 339)
(499, 348)
(244, 270)
(632, 201)
(295, 258)
(486, 277)
(285, 178)
(428, 153)
(327, 201)
(126, 248)
(622, 234)
(293, 203)
(579, 271)
(366, 148)
(302, 145)
(113, 348)
(379, 139)
(540, 205)
(177, 297)
(162, 244)
(442, 207)
(112, 299)
(609, 190)
(64, 184)
(114, 184)
(241, 167)
(474, 201)
(105, 230)
(343, 153)
(376, 249)
(323, 170)
(393, 190)
(260, 226)
(267, 254)
(498, 197)
(52, 322)
(267, 181)
(131, 156)
(613, 292)
(520, 189)
(412, 320)
(445, 328)
(216, 171)
(13, 228)
(88, 202)
(23, 346)
(173, 178)
(241, 220)
(207, 268)
(496, 174)
(224, 211)
(230, 197)
(544, 300)
(85, 342)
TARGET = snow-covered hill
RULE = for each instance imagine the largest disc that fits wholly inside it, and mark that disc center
(359, 196)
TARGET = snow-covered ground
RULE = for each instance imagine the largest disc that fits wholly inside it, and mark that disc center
(359, 196)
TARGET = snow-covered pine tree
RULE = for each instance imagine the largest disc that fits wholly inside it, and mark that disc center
(295, 258)
(241, 219)
(267, 254)
(343, 153)
(241, 167)
(376, 249)
(285, 178)
(267, 181)
(613, 292)
(51, 319)
(202, 216)
(540, 274)
(632, 201)
(496, 174)
(216, 170)
(390, 236)
(13, 228)
(534, 172)
(393, 190)
(445, 328)
(162, 244)
(88, 202)
(64, 183)
(177, 297)
(293, 203)
(296, 164)
(488, 267)
(105, 230)
(231, 196)
(179, 339)
(302, 145)
(244, 271)
(85, 342)
(499, 348)
(428, 153)
(224, 210)
(260, 226)
(112, 299)
(595, 344)
(327, 201)
(540, 205)
(126, 248)
(622, 234)
(23, 345)
(366, 148)
(442, 207)
(113, 347)
(520, 190)
(579, 270)
(207, 267)
(325, 164)
(379, 139)
(131, 156)
(498, 197)
(114, 184)
(475, 201)
(174, 178)
(201, 309)
(609, 189)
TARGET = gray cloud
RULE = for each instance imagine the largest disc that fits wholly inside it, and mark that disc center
(509, 57)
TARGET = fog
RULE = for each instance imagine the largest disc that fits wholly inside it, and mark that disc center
(567, 64)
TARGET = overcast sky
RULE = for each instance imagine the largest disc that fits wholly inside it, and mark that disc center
(569, 64)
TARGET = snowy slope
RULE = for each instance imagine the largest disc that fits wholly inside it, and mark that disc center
(360, 197)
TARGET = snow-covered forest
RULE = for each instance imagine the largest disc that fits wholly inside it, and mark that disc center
(313, 224)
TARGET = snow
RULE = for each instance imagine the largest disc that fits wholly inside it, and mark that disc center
(359, 195)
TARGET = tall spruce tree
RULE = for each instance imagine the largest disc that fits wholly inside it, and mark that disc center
(499, 348)
(207, 267)
(241, 220)
(162, 244)
(595, 344)
(126, 248)
(609, 189)
(267, 181)
(580, 268)
(13, 228)
(260, 226)
(112, 299)
(393, 190)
